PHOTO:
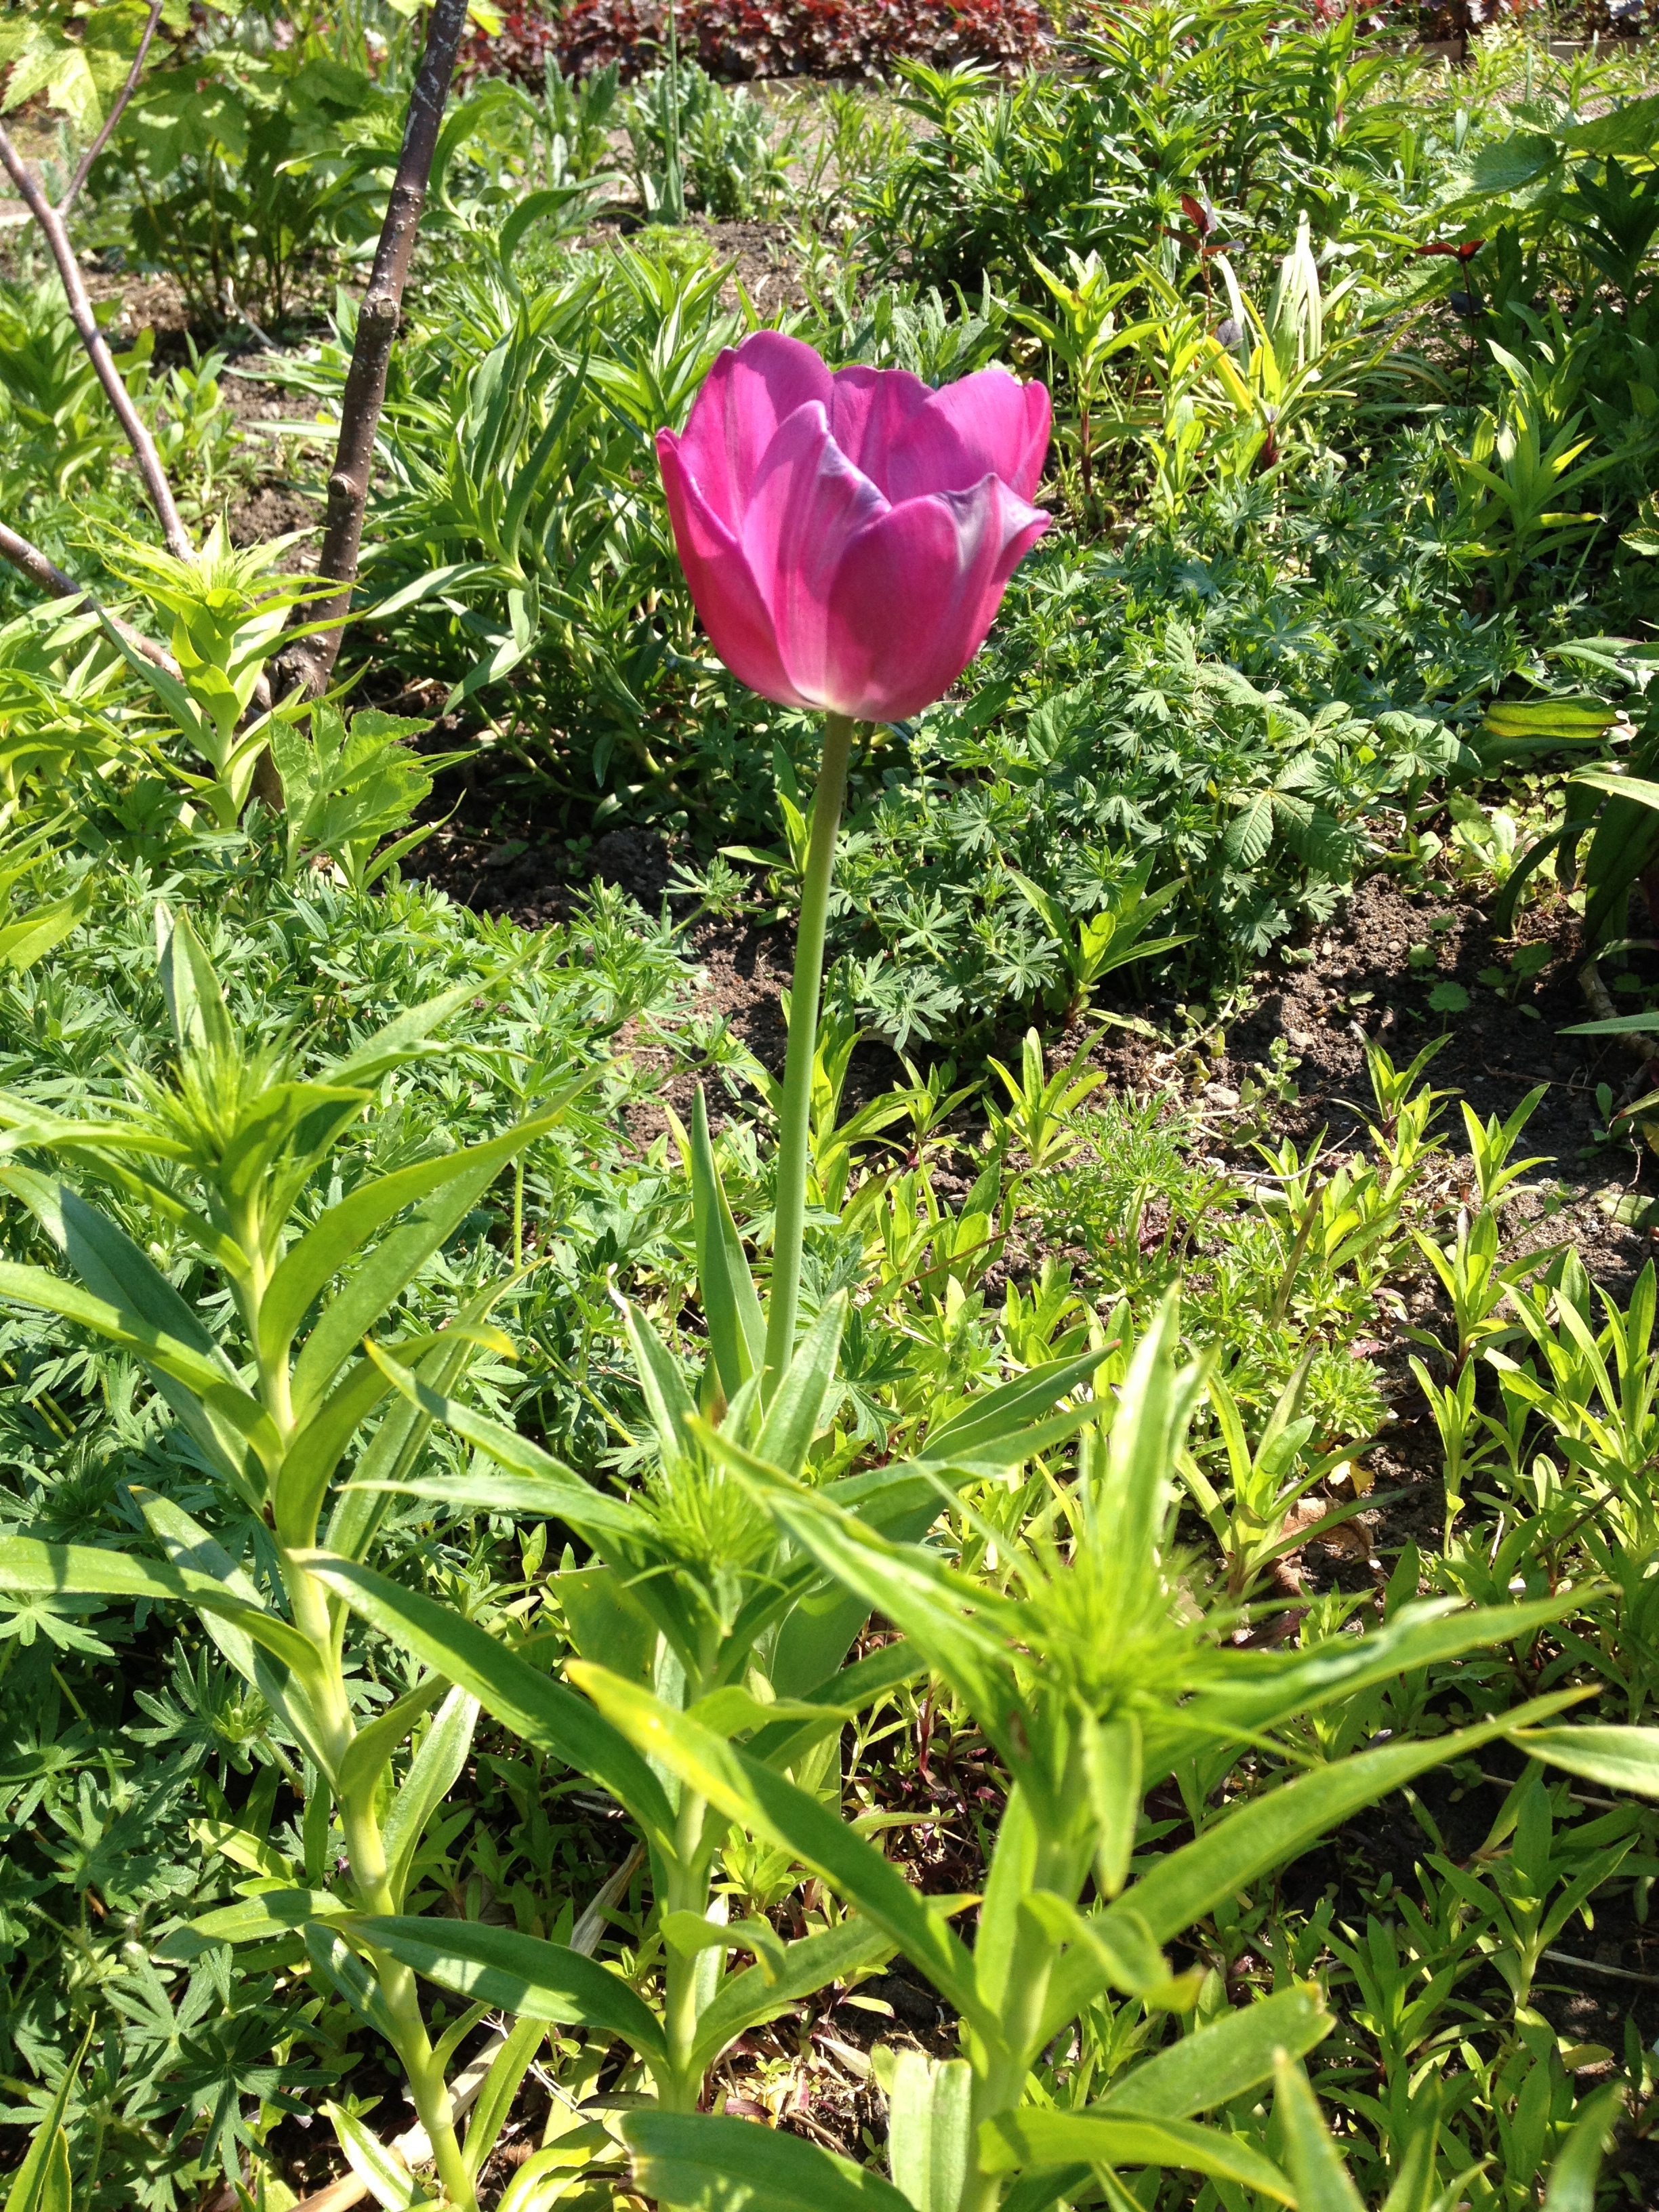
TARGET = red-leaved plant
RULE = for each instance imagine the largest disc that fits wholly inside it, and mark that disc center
(745, 39)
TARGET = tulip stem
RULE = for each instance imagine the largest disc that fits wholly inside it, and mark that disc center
(795, 1142)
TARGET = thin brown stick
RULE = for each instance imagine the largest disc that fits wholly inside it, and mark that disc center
(51, 578)
(114, 115)
(312, 659)
(56, 236)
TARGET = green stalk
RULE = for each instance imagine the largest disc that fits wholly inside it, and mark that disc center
(795, 1140)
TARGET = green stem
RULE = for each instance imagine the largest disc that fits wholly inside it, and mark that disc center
(688, 1891)
(795, 1140)
(366, 1849)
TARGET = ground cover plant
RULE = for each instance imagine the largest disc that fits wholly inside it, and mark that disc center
(1023, 1574)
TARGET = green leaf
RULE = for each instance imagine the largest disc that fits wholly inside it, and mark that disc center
(745, 2000)
(122, 1325)
(849, 1690)
(1032, 2137)
(803, 1400)
(188, 1546)
(372, 1284)
(201, 1020)
(41, 2183)
(32, 1569)
(334, 1246)
(537, 1486)
(340, 1966)
(264, 1913)
(544, 1712)
(433, 1774)
(768, 1805)
(521, 1974)
(1277, 1687)
(1562, 721)
(25, 941)
(699, 2164)
(737, 1330)
(994, 1429)
(1578, 2165)
(1182, 1886)
(406, 1033)
(667, 1400)
(395, 1449)
(1618, 1757)
(381, 2171)
(494, 2105)
(371, 1748)
(1635, 788)
(303, 1478)
(1316, 2164)
(929, 2138)
(1222, 2061)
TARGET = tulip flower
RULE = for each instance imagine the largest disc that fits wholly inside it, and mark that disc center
(847, 538)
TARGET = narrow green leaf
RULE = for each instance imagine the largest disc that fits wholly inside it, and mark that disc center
(1290, 1683)
(372, 1283)
(339, 1966)
(699, 2164)
(303, 1478)
(371, 1748)
(745, 2000)
(379, 2169)
(537, 1485)
(407, 1033)
(1222, 2061)
(987, 1430)
(803, 1398)
(1033, 2138)
(189, 1546)
(929, 2138)
(507, 2071)
(433, 1774)
(544, 1713)
(521, 1974)
(335, 1245)
(1319, 2178)
(38, 1570)
(1577, 2167)
(737, 1331)
(1618, 1758)
(768, 1805)
(201, 1021)
(1187, 1884)
(262, 1915)
(41, 2183)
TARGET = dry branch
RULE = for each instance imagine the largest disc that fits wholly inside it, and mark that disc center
(312, 659)
(55, 232)
(114, 115)
(51, 578)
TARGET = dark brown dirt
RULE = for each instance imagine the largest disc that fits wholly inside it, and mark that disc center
(762, 256)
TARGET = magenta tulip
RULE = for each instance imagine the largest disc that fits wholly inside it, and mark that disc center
(848, 538)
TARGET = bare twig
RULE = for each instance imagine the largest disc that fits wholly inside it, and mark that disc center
(114, 115)
(51, 578)
(56, 236)
(312, 659)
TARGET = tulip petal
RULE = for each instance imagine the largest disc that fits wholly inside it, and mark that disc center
(989, 423)
(743, 398)
(870, 410)
(733, 609)
(808, 505)
(916, 594)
